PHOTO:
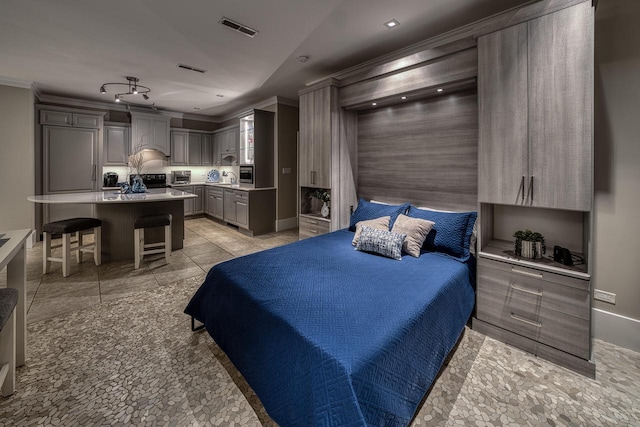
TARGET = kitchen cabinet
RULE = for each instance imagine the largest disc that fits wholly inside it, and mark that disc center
(207, 150)
(257, 146)
(318, 124)
(68, 118)
(198, 203)
(150, 131)
(215, 202)
(225, 146)
(252, 211)
(115, 145)
(189, 204)
(536, 112)
(179, 148)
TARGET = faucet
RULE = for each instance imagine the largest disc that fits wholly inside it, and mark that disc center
(234, 178)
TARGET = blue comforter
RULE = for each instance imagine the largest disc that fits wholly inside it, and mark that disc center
(329, 336)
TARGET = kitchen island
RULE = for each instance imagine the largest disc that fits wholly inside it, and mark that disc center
(118, 212)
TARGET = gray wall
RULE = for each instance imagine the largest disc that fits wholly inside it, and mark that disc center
(17, 169)
(617, 155)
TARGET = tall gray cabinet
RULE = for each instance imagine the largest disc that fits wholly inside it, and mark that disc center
(535, 94)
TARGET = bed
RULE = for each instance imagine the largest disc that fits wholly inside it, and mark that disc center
(327, 335)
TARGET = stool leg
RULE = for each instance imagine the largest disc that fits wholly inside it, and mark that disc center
(79, 251)
(8, 354)
(97, 245)
(138, 244)
(66, 254)
(167, 242)
(46, 252)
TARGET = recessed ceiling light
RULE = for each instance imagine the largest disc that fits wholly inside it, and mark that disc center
(391, 24)
(440, 89)
(404, 97)
(374, 103)
(303, 58)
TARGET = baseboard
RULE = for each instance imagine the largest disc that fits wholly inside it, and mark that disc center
(287, 223)
(616, 329)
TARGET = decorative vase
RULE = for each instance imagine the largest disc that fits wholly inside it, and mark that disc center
(138, 186)
(532, 250)
(325, 210)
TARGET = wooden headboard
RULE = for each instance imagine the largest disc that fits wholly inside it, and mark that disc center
(423, 152)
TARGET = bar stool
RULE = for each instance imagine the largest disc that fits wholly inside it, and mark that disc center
(140, 248)
(8, 301)
(66, 227)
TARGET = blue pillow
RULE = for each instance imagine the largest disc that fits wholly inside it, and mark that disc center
(451, 233)
(367, 210)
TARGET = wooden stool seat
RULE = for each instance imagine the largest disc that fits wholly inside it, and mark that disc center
(140, 248)
(66, 227)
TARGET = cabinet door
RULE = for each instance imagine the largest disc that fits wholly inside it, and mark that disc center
(207, 150)
(305, 150)
(198, 208)
(233, 140)
(217, 148)
(59, 118)
(210, 202)
(86, 121)
(69, 159)
(141, 133)
(218, 207)
(322, 129)
(189, 204)
(242, 213)
(561, 108)
(179, 142)
(195, 149)
(229, 206)
(161, 134)
(503, 109)
(115, 145)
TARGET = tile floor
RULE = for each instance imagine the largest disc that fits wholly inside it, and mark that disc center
(110, 345)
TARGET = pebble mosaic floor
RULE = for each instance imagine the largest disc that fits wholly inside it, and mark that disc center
(110, 346)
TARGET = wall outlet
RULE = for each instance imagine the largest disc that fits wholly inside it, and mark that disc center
(604, 296)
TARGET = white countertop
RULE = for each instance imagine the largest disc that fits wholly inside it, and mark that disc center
(155, 195)
(221, 185)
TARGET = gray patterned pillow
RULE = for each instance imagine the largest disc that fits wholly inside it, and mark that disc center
(382, 242)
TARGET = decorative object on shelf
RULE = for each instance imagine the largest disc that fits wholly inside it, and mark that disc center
(325, 197)
(134, 91)
(529, 244)
(213, 176)
(136, 161)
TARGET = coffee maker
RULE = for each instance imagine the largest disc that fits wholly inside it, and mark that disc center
(110, 179)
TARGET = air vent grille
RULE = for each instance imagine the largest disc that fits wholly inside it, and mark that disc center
(238, 27)
(190, 68)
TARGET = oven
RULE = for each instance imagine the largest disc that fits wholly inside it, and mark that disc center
(246, 174)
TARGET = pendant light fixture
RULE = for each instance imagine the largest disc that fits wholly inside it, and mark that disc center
(132, 87)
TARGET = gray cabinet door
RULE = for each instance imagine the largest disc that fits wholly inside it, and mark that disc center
(198, 203)
(218, 207)
(161, 134)
(229, 206)
(195, 149)
(86, 121)
(179, 143)
(322, 129)
(217, 148)
(503, 109)
(189, 204)
(233, 141)
(115, 145)
(207, 150)
(305, 150)
(242, 213)
(70, 159)
(561, 108)
(58, 118)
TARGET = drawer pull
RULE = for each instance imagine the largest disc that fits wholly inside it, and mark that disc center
(313, 231)
(526, 273)
(528, 291)
(527, 321)
(313, 222)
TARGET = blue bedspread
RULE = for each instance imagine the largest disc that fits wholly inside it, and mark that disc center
(329, 336)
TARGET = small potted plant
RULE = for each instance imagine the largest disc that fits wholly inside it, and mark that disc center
(529, 244)
(325, 197)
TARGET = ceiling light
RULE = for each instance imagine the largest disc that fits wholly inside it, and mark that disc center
(303, 58)
(375, 103)
(440, 89)
(404, 97)
(391, 24)
(126, 90)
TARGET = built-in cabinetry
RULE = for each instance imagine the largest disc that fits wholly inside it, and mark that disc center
(150, 131)
(311, 225)
(116, 143)
(215, 202)
(318, 124)
(179, 148)
(225, 146)
(194, 206)
(191, 148)
(257, 146)
(252, 211)
(535, 94)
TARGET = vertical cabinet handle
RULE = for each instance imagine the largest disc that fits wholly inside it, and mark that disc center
(522, 188)
(94, 172)
(531, 187)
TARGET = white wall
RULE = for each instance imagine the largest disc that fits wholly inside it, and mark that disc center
(17, 170)
(616, 265)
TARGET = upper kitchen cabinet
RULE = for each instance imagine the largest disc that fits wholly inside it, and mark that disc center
(179, 148)
(195, 149)
(207, 149)
(225, 146)
(116, 144)
(318, 128)
(257, 145)
(535, 92)
(68, 118)
(150, 131)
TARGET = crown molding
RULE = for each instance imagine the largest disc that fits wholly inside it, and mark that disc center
(262, 104)
(36, 90)
(14, 82)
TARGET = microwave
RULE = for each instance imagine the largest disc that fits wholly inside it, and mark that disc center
(246, 174)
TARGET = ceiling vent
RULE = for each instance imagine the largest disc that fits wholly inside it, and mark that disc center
(190, 68)
(238, 27)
